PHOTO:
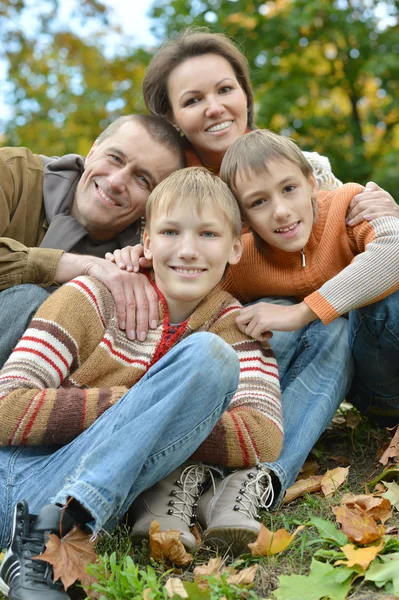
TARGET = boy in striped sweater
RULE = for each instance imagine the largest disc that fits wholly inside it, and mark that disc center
(90, 419)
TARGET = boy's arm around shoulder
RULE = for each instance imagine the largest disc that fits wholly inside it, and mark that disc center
(251, 430)
(68, 327)
(372, 275)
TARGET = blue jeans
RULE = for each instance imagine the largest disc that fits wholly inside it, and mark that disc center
(316, 369)
(374, 338)
(18, 304)
(152, 430)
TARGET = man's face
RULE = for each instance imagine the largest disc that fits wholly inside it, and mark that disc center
(189, 251)
(119, 175)
(277, 204)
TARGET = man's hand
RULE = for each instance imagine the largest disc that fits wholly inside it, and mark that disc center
(259, 320)
(373, 202)
(130, 258)
(135, 299)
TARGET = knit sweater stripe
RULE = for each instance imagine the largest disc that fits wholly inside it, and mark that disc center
(36, 411)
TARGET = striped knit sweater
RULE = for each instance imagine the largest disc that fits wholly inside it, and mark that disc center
(73, 363)
(346, 267)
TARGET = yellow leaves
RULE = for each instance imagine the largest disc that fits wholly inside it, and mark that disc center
(302, 487)
(70, 556)
(393, 449)
(359, 527)
(359, 556)
(269, 542)
(167, 544)
(332, 480)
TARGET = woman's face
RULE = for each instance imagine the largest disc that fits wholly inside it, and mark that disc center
(208, 104)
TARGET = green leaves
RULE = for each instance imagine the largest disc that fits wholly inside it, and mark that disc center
(323, 581)
(385, 572)
(328, 531)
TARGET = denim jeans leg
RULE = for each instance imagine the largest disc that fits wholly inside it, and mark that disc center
(316, 368)
(374, 338)
(18, 304)
(152, 430)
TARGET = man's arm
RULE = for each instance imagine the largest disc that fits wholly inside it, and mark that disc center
(251, 430)
(66, 330)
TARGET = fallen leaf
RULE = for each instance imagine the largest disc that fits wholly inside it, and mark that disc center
(352, 419)
(343, 460)
(328, 531)
(302, 487)
(269, 542)
(173, 586)
(333, 479)
(310, 467)
(167, 544)
(70, 556)
(323, 581)
(147, 594)
(359, 527)
(393, 449)
(359, 556)
(384, 572)
(392, 494)
(196, 533)
(374, 506)
(244, 577)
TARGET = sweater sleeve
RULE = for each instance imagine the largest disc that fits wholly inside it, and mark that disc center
(372, 275)
(39, 402)
(251, 430)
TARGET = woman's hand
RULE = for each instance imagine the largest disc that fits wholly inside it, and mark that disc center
(373, 202)
(259, 320)
(130, 258)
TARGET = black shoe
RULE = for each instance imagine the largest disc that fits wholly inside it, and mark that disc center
(22, 578)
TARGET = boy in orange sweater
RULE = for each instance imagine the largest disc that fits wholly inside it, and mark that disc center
(301, 246)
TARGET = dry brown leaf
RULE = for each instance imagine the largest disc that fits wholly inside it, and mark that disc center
(342, 460)
(70, 556)
(333, 479)
(147, 594)
(302, 487)
(352, 419)
(309, 468)
(359, 556)
(374, 506)
(357, 525)
(244, 577)
(167, 544)
(211, 568)
(173, 586)
(269, 542)
(393, 449)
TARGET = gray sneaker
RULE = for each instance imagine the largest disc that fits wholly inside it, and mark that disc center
(172, 502)
(229, 512)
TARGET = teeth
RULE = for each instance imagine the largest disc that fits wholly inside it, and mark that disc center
(188, 271)
(285, 229)
(220, 126)
(104, 195)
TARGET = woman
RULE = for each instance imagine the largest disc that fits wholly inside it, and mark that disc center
(200, 83)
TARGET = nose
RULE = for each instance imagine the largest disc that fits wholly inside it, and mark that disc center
(188, 248)
(117, 180)
(215, 107)
(281, 209)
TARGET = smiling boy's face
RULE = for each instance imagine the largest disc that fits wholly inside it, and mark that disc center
(189, 251)
(277, 204)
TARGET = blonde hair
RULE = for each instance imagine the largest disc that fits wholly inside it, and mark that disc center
(251, 153)
(189, 44)
(195, 187)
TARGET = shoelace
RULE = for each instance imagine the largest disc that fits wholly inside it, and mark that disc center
(190, 484)
(39, 568)
(256, 493)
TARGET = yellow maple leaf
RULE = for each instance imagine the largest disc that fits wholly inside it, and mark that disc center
(333, 479)
(269, 542)
(167, 544)
(359, 556)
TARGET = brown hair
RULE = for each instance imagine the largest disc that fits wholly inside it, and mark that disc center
(195, 187)
(251, 153)
(188, 44)
(160, 130)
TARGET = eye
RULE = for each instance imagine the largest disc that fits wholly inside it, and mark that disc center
(144, 180)
(289, 188)
(169, 232)
(209, 234)
(115, 158)
(225, 89)
(257, 202)
(191, 101)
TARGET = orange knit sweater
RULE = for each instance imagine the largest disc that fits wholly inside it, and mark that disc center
(346, 267)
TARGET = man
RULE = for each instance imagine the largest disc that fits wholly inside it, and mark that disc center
(58, 214)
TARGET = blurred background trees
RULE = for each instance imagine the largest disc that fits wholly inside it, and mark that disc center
(325, 72)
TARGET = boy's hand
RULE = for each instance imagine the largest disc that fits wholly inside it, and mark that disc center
(259, 320)
(130, 258)
(373, 202)
(135, 299)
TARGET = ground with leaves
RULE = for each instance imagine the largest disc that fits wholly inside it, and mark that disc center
(346, 543)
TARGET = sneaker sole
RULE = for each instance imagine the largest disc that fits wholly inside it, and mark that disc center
(4, 589)
(234, 539)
